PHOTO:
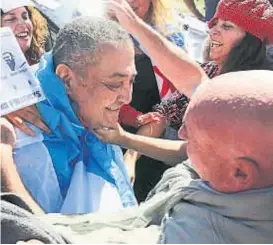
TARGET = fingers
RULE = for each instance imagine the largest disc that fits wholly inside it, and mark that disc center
(152, 129)
(121, 10)
(109, 134)
(112, 6)
(150, 117)
(18, 122)
(102, 132)
(143, 119)
(110, 13)
(32, 115)
(41, 125)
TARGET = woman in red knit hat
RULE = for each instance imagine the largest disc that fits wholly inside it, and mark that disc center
(253, 22)
(238, 35)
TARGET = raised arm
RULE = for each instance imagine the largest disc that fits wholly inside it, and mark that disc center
(10, 179)
(175, 64)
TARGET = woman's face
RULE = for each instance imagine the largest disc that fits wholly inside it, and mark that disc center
(140, 7)
(20, 23)
(224, 35)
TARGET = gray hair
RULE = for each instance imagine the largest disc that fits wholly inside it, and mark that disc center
(77, 42)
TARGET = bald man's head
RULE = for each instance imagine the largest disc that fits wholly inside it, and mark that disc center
(229, 128)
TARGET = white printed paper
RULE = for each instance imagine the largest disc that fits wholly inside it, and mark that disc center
(19, 87)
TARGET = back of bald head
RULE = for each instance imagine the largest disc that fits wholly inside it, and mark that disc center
(240, 96)
(234, 113)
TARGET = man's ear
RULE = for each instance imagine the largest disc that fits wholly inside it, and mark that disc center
(66, 75)
(246, 173)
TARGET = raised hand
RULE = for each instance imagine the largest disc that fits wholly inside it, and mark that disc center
(122, 12)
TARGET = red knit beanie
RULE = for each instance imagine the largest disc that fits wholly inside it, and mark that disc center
(253, 16)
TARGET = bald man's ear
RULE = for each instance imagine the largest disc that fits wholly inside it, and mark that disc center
(66, 75)
(246, 173)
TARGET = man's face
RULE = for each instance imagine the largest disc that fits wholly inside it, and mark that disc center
(107, 86)
(217, 142)
(206, 151)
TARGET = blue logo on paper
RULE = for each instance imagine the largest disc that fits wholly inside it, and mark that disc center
(9, 59)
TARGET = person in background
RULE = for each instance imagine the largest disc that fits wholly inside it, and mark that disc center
(29, 28)
(31, 32)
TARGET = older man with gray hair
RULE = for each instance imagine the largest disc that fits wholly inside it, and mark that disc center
(87, 78)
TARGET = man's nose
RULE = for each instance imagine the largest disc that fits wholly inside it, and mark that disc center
(125, 96)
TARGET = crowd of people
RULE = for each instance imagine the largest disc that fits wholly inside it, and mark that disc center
(205, 130)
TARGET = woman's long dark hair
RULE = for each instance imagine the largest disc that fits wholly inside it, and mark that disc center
(249, 54)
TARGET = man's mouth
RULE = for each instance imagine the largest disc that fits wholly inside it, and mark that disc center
(114, 109)
(23, 34)
(215, 44)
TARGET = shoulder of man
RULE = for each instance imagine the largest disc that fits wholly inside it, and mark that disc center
(188, 223)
